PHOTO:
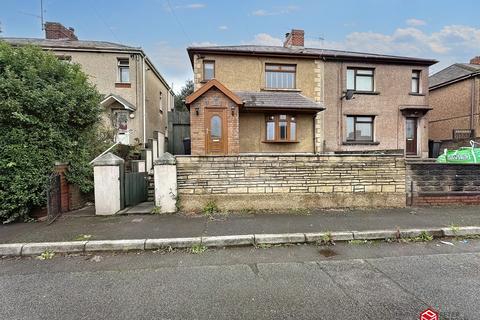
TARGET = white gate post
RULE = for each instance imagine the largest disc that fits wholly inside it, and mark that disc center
(161, 143)
(108, 178)
(165, 177)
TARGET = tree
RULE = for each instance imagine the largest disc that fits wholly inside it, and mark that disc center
(48, 112)
(186, 90)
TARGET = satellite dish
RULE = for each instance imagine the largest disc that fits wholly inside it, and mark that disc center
(349, 94)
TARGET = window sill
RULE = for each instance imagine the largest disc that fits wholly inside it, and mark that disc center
(278, 141)
(373, 93)
(417, 94)
(281, 90)
(364, 143)
(123, 85)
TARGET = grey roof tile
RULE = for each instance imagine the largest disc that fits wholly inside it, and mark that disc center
(69, 44)
(339, 54)
(453, 72)
(278, 100)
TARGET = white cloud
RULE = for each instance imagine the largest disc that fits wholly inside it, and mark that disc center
(275, 11)
(192, 6)
(415, 22)
(223, 28)
(265, 39)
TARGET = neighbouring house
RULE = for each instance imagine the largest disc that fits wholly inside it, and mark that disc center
(455, 98)
(136, 96)
(279, 99)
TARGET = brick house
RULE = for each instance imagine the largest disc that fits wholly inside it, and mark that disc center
(455, 98)
(136, 96)
(292, 99)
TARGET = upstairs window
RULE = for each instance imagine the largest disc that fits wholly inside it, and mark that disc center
(281, 128)
(416, 81)
(208, 70)
(280, 76)
(123, 71)
(360, 79)
(360, 128)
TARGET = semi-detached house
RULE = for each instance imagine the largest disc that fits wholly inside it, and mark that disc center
(136, 97)
(292, 99)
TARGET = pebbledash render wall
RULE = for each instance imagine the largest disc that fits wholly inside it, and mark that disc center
(291, 181)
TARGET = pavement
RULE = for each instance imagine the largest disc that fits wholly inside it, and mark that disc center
(371, 281)
(71, 226)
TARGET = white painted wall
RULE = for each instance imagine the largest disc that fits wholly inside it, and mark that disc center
(107, 189)
(166, 187)
(161, 143)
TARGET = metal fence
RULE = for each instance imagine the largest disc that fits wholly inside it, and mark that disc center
(54, 201)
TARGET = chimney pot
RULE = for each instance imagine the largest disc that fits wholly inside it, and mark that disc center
(475, 60)
(55, 30)
(295, 38)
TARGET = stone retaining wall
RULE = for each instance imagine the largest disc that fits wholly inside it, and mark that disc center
(442, 184)
(291, 181)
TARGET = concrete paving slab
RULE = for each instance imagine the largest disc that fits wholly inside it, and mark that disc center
(374, 234)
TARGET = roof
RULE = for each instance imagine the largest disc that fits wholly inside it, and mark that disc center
(278, 100)
(108, 100)
(84, 45)
(70, 44)
(207, 86)
(327, 54)
(453, 73)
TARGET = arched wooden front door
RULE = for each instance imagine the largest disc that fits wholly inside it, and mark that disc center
(216, 131)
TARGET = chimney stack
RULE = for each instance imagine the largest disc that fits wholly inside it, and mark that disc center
(57, 31)
(475, 60)
(295, 38)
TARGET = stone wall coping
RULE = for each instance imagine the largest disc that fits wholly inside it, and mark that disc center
(366, 155)
(108, 159)
(165, 159)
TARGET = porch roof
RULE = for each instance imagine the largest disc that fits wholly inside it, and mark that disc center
(278, 100)
(111, 98)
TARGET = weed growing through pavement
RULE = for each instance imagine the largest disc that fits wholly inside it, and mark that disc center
(359, 242)
(83, 237)
(423, 237)
(326, 239)
(156, 210)
(210, 208)
(263, 245)
(46, 255)
(455, 228)
(197, 249)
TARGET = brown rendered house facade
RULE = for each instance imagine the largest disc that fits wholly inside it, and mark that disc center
(455, 98)
(292, 99)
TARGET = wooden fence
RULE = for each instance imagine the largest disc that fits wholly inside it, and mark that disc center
(178, 129)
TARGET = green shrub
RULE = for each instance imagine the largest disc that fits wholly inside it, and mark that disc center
(48, 112)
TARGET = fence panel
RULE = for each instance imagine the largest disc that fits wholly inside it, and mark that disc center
(178, 129)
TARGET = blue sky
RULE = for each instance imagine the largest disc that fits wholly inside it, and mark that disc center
(448, 31)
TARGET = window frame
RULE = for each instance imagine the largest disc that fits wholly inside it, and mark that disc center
(355, 121)
(416, 75)
(203, 69)
(276, 121)
(280, 65)
(120, 67)
(355, 70)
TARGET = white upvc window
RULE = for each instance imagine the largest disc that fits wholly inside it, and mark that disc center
(123, 70)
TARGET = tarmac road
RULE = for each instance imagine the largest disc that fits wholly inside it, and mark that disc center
(346, 281)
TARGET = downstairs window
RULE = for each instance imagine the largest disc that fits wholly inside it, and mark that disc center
(281, 128)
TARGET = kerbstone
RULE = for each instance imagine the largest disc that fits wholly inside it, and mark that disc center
(11, 249)
(225, 241)
(342, 236)
(112, 245)
(59, 247)
(172, 242)
(314, 236)
(461, 231)
(372, 235)
(279, 238)
(411, 233)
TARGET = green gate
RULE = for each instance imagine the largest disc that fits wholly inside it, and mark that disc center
(136, 185)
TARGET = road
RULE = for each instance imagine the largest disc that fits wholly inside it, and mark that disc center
(345, 281)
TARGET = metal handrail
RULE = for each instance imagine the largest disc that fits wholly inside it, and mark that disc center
(101, 154)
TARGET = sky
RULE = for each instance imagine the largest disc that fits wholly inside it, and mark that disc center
(445, 30)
